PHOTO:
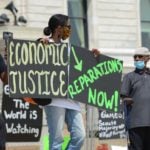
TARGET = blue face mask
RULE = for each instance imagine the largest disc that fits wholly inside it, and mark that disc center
(139, 64)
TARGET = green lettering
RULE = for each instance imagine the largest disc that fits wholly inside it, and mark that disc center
(92, 96)
(92, 75)
(71, 91)
(114, 100)
(87, 80)
(109, 102)
(82, 82)
(100, 99)
(97, 72)
(78, 90)
(110, 66)
(120, 65)
(105, 67)
(113, 66)
(100, 65)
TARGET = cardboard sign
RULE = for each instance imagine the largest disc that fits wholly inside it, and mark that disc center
(111, 125)
(37, 70)
(42, 71)
(95, 81)
(23, 120)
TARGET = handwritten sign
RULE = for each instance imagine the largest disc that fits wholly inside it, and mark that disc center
(43, 70)
(95, 81)
(23, 120)
(37, 70)
(111, 125)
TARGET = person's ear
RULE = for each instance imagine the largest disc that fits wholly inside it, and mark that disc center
(147, 58)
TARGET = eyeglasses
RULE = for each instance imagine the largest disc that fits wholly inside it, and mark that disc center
(139, 56)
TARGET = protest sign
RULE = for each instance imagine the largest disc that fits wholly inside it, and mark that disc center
(95, 81)
(111, 125)
(37, 70)
(42, 71)
(23, 120)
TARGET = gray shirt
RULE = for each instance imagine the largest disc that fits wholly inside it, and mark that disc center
(136, 85)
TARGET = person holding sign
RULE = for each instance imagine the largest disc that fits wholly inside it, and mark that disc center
(3, 77)
(135, 91)
(63, 110)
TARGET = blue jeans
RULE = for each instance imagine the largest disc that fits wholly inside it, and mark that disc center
(56, 116)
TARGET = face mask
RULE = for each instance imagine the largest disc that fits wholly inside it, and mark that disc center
(139, 64)
(66, 33)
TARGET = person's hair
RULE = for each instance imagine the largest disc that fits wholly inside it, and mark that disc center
(55, 21)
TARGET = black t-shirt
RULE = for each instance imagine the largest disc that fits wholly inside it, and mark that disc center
(2, 65)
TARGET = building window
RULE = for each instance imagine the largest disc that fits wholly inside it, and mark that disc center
(145, 22)
(78, 19)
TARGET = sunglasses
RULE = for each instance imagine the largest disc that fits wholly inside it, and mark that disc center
(68, 26)
(139, 56)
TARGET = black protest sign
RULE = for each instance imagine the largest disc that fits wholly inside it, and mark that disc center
(94, 81)
(41, 71)
(23, 120)
(37, 70)
(111, 125)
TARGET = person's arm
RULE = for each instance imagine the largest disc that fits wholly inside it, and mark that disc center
(3, 71)
(125, 90)
(4, 77)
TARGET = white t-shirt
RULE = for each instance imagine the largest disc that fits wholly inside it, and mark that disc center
(65, 102)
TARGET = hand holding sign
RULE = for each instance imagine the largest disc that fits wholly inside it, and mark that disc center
(96, 52)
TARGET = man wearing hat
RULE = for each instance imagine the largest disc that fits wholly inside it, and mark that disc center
(135, 92)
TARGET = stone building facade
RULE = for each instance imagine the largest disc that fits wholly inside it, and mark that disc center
(113, 26)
